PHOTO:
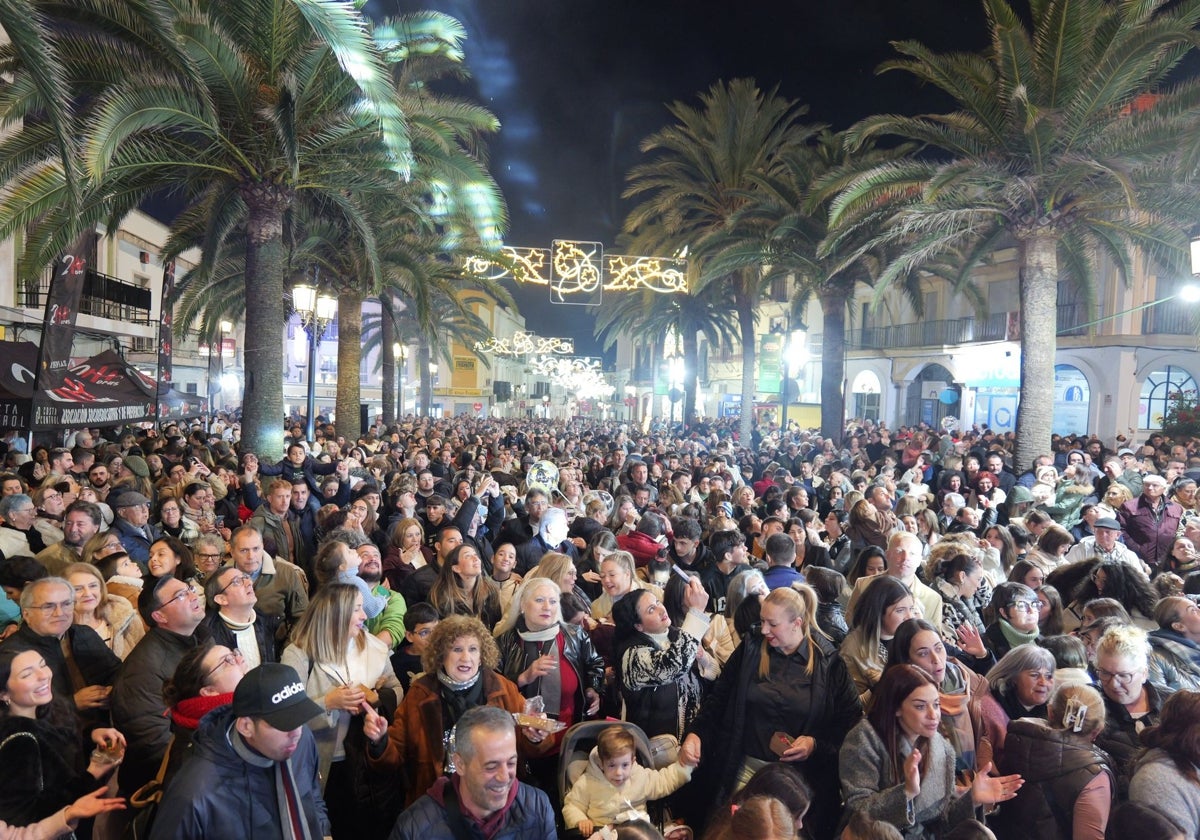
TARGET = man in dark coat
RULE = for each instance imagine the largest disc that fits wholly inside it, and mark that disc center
(253, 767)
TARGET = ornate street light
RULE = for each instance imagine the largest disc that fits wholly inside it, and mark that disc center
(400, 355)
(316, 310)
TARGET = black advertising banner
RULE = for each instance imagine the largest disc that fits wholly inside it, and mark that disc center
(164, 331)
(62, 309)
(16, 384)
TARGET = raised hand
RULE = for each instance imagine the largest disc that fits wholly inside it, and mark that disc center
(912, 774)
(374, 724)
(990, 790)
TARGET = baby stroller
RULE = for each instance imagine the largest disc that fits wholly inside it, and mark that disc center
(577, 745)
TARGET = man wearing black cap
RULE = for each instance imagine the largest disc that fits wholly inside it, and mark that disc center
(253, 767)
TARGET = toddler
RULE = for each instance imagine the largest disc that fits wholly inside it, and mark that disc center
(336, 562)
(615, 787)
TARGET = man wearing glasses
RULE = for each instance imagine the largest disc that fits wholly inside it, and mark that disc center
(232, 620)
(83, 666)
(173, 611)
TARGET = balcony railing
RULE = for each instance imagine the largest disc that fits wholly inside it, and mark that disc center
(103, 297)
(930, 333)
(1169, 320)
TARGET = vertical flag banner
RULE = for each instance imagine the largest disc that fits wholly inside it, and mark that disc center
(58, 326)
(164, 333)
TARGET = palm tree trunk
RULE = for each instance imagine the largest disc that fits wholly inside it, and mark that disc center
(745, 313)
(349, 388)
(691, 373)
(426, 380)
(833, 363)
(1039, 298)
(387, 337)
(262, 400)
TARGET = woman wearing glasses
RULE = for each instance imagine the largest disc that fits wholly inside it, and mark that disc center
(204, 679)
(113, 618)
(1016, 608)
(1132, 702)
(50, 505)
(1021, 684)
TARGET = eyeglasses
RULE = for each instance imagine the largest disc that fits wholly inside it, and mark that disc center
(234, 657)
(1122, 677)
(53, 607)
(1024, 606)
(207, 556)
(240, 580)
(22, 510)
(178, 596)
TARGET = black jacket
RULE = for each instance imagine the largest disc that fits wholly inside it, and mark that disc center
(96, 662)
(577, 650)
(138, 710)
(722, 720)
(265, 628)
(217, 794)
(41, 773)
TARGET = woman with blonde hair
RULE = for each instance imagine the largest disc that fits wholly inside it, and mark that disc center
(560, 568)
(784, 695)
(1133, 703)
(346, 668)
(114, 619)
(618, 578)
(462, 588)
(1070, 787)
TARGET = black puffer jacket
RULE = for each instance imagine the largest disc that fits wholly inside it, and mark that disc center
(577, 650)
(1056, 765)
(217, 794)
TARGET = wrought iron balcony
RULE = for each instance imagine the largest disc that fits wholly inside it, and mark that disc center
(103, 297)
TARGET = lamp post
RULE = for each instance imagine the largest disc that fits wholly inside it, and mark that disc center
(674, 379)
(400, 355)
(795, 356)
(316, 311)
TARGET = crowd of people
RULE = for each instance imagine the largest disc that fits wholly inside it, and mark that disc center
(533, 629)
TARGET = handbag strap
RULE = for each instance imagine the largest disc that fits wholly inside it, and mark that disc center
(151, 793)
(37, 747)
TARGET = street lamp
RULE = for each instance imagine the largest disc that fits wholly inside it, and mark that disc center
(400, 355)
(316, 310)
(795, 356)
(675, 379)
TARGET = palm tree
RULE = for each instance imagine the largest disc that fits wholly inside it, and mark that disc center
(449, 319)
(785, 226)
(1066, 140)
(242, 109)
(702, 172)
(703, 312)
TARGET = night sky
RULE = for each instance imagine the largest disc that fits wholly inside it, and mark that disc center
(577, 84)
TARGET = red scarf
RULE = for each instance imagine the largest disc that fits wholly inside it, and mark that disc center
(187, 713)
